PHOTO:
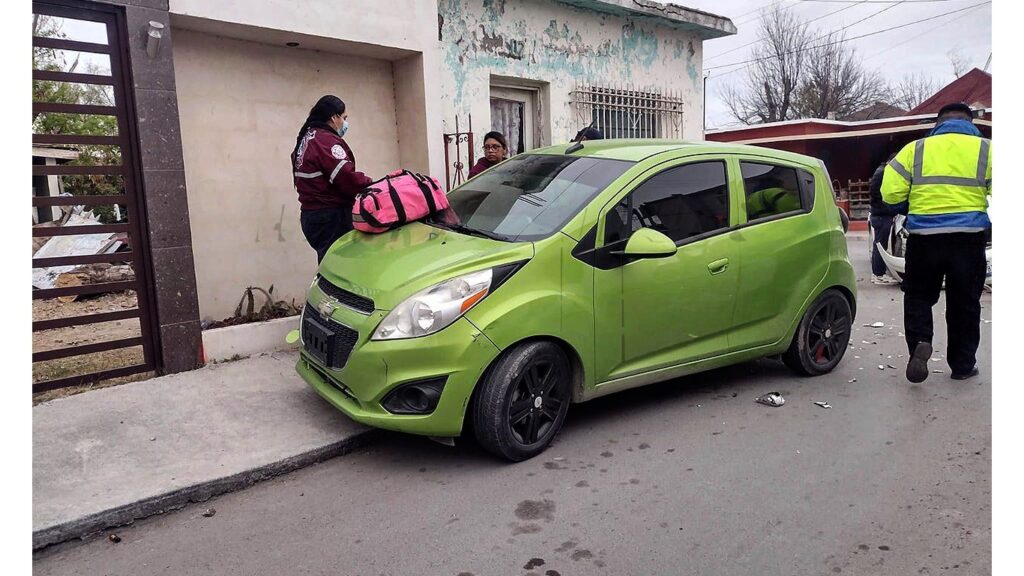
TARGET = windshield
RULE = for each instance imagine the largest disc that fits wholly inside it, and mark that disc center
(528, 197)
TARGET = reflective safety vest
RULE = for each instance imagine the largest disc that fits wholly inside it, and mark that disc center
(944, 180)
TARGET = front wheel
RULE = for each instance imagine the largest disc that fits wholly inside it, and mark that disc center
(523, 400)
(822, 337)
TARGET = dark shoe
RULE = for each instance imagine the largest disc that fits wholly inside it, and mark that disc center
(917, 368)
(974, 372)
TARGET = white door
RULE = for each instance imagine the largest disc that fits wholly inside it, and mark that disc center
(513, 113)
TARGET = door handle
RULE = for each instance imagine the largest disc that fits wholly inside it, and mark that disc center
(718, 266)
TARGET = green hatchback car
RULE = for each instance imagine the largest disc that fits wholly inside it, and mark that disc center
(572, 272)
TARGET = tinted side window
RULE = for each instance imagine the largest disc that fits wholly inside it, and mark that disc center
(680, 202)
(806, 189)
(771, 190)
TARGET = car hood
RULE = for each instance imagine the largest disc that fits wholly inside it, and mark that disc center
(390, 267)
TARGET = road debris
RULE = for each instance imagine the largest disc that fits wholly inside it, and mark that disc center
(114, 538)
(937, 372)
(773, 399)
(823, 404)
(880, 367)
(890, 366)
(209, 512)
(851, 381)
(875, 325)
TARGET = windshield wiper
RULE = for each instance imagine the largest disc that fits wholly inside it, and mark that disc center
(474, 232)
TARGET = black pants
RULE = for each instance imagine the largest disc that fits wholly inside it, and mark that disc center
(322, 227)
(960, 259)
(882, 227)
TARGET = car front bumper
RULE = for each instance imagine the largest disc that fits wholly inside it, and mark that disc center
(460, 353)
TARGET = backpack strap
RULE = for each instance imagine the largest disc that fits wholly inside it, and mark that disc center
(397, 201)
(366, 216)
(428, 195)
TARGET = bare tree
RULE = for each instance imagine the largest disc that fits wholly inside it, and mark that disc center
(835, 82)
(958, 61)
(912, 90)
(768, 91)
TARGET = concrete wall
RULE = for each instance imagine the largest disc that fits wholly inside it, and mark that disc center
(400, 31)
(241, 104)
(553, 45)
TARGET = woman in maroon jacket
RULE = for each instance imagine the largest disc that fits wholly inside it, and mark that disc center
(495, 150)
(325, 175)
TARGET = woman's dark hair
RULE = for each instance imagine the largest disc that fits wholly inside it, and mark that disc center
(590, 133)
(319, 114)
(493, 135)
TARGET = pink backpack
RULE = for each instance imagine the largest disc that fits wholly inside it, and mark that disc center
(397, 199)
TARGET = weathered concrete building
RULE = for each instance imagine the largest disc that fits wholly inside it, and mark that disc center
(247, 71)
(210, 96)
(540, 70)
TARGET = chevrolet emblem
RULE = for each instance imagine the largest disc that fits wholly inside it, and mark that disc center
(326, 307)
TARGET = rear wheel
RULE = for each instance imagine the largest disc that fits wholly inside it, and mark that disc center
(523, 400)
(822, 337)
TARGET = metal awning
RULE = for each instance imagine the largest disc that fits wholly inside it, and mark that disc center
(849, 134)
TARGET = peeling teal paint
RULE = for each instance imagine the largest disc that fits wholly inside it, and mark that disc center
(481, 38)
(639, 44)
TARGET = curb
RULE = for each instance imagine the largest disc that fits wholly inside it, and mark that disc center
(123, 515)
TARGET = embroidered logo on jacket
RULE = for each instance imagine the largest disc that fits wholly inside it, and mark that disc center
(338, 152)
(301, 152)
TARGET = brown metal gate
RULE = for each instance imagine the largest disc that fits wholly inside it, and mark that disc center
(95, 321)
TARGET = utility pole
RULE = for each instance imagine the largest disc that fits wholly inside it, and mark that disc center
(705, 105)
(988, 62)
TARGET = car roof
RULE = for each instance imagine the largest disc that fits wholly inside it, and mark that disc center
(635, 150)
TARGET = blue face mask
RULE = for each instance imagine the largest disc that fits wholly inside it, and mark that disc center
(344, 129)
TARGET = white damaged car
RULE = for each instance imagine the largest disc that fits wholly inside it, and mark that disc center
(893, 250)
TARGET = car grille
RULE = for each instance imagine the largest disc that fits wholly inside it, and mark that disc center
(353, 301)
(328, 341)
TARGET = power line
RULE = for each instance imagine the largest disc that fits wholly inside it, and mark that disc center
(754, 60)
(876, 1)
(926, 32)
(808, 22)
(758, 9)
(831, 33)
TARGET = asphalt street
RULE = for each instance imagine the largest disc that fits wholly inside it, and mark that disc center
(685, 477)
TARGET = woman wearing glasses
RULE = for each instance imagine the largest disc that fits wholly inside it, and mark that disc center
(495, 150)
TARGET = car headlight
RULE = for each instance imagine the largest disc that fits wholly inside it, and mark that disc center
(435, 308)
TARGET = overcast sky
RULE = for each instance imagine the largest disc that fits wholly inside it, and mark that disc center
(919, 48)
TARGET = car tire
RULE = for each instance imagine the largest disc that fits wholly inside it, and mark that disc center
(822, 337)
(522, 401)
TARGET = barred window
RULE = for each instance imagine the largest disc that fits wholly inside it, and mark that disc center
(625, 112)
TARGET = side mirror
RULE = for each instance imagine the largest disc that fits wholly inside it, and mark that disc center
(648, 243)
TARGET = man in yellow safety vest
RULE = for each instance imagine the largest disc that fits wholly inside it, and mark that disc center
(942, 182)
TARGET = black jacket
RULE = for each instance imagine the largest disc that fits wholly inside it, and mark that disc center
(878, 207)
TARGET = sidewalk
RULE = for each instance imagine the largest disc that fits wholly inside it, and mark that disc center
(111, 456)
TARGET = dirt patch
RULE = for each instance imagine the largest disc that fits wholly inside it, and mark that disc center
(51, 309)
(536, 510)
(261, 316)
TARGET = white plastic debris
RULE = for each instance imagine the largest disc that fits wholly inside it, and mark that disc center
(773, 399)
(878, 325)
(852, 380)
(936, 371)
(880, 367)
(823, 404)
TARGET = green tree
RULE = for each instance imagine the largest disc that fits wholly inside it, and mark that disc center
(49, 59)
